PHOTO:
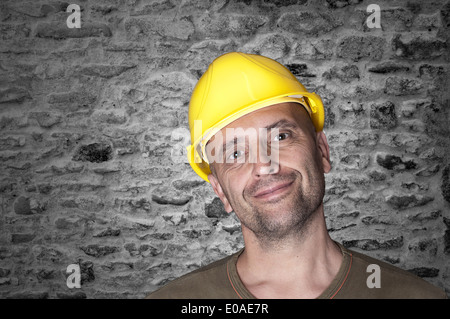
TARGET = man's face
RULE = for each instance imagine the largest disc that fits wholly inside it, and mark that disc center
(271, 199)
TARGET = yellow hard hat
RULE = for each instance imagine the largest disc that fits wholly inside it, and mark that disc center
(234, 85)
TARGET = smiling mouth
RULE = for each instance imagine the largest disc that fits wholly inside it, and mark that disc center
(273, 191)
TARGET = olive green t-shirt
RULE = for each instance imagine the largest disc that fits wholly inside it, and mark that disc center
(220, 280)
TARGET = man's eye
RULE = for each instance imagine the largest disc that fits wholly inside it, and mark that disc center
(235, 155)
(281, 136)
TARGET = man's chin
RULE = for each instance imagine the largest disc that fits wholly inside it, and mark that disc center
(281, 217)
(277, 216)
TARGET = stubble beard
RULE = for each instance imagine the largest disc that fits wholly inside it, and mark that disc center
(290, 217)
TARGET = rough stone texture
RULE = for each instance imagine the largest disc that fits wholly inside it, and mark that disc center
(418, 48)
(358, 47)
(446, 183)
(346, 73)
(402, 86)
(392, 162)
(93, 129)
(60, 31)
(308, 22)
(383, 116)
(215, 209)
(388, 67)
(95, 153)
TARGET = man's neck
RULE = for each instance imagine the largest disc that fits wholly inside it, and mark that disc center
(297, 267)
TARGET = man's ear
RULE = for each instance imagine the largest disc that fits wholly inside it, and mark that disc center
(219, 192)
(324, 149)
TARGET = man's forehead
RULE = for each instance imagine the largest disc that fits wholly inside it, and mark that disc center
(284, 115)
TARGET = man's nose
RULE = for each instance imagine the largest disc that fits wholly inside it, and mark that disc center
(265, 162)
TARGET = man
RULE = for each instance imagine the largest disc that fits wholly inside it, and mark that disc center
(257, 137)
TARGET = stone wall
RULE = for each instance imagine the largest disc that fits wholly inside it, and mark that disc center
(93, 121)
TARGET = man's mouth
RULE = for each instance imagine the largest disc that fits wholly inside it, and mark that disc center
(273, 190)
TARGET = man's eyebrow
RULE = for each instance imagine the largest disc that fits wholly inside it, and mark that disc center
(232, 142)
(282, 124)
(279, 124)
